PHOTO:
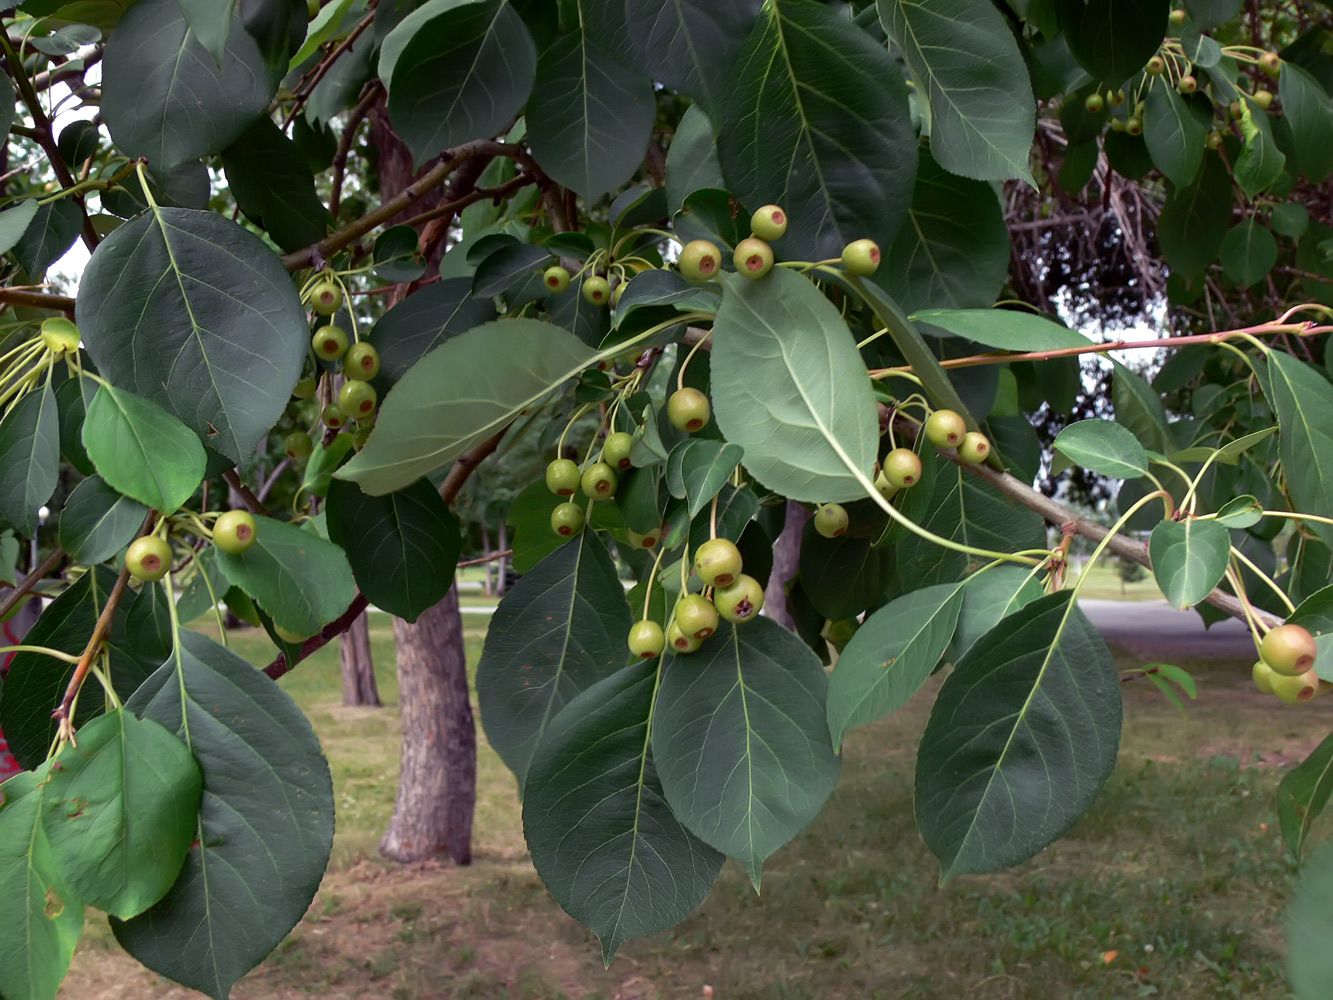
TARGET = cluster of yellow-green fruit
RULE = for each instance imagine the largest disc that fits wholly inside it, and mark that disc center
(357, 399)
(149, 557)
(1285, 668)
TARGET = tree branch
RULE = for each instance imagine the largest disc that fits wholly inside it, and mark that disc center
(39, 572)
(36, 300)
(252, 502)
(326, 64)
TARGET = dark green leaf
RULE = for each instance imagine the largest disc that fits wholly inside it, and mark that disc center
(322, 463)
(403, 546)
(1189, 558)
(274, 187)
(558, 631)
(1242, 512)
(1196, 218)
(396, 255)
(1309, 924)
(602, 836)
(14, 221)
(323, 28)
(1002, 329)
(1104, 447)
(808, 426)
(1022, 737)
(965, 59)
(1249, 252)
(1260, 162)
(45, 239)
(890, 657)
(78, 141)
(1139, 407)
(165, 98)
(1303, 795)
(741, 741)
(1303, 401)
(691, 161)
(844, 576)
(196, 314)
(507, 267)
(1174, 135)
(264, 830)
(187, 185)
(1307, 107)
(697, 469)
(98, 522)
(210, 22)
(816, 120)
(141, 450)
(988, 598)
(29, 457)
(1113, 38)
(1209, 13)
(422, 321)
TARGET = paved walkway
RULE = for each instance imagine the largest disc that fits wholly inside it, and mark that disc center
(1154, 628)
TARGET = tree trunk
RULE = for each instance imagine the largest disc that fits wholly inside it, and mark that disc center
(437, 790)
(488, 589)
(786, 562)
(502, 564)
(359, 687)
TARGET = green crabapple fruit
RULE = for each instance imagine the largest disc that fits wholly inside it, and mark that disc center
(616, 449)
(700, 260)
(311, 9)
(945, 429)
(1134, 126)
(1289, 650)
(148, 558)
(562, 477)
(975, 448)
(753, 257)
(646, 639)
(696, 616)
(1178, 17)
(304, 388)
(357, 399)
(1262, 674)
(717, 562)
(599, 481)
(1116, 98)
(1271, 63)
(1263, 98)
(887, 489)
(567, 519)
(1295, 690)
(645, 541)
(1094, 103)
(329, 342)
(831, 520)
(59, 335)
(861, 257)
(362, 362)
(769, 223)
(326, 298)
(741, 600)
(1213, 140)
(681, 642)
(235, 531)
(333, 418)
(556, 279)
(1188, 84)
(688, 409)
(361, 436)
(1156, 66)
(902, 468)
(596, 290)
(298, 445)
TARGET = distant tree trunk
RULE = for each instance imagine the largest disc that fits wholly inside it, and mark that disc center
(359, 687)
(786, 561)
(488, 588)
(437, 790)
(502, 565)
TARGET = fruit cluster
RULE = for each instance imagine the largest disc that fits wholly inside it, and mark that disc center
(149, 557)
(1285, 667)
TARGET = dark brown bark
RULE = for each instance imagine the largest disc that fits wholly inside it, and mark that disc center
(786, 562)
(358, 665)
(437, 789)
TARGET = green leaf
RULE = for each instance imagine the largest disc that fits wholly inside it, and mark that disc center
(691, 161)
(602, 836)
(953, 250)
(300, 579)
(530, 518)
(422, 322)
(1174, 135)
(320, 466)
(1303, 795)
(1307, 107)
(119, 812)
(816, 119)
(274, 187)
(1242, 512)
(1291, 220)
(1260, 162)
(1113, 39)
(1209, 13)
(264, 828)
(43, 918)
(165, 98)
(1022, 737)
(457, 396)
(1189, 558)
(589, 118)
(461, 75)
(98, 522)
(193, 312)
(14, 221)
(741, 741)
(698, 468)
(403, 546)
(52, 231)
(141, 450)
(1002, 329)
(1139, 408)
(322, 29)
(1303, 401)
(210, 23)
(508, 268)
(690, 45)
(1196, 218)
(1309, 922)
(397, 255)
(1105, 447)
(29, 457)
(890, 657)
(965, 59)
(560, 629)
(37, 682)
(789, 387)
(1249, 252)
(844, 576)
(988, 598)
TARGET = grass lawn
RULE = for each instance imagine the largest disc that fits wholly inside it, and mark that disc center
(1104, 583)
(1172, 886)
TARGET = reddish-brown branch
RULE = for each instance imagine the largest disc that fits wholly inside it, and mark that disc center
(36, 300)
(252, 502)
(354, 121)
(39, 573)
(326, 64)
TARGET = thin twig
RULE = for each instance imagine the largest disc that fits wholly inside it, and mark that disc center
(354, 121)
(493, 557)
(39, 572)
(326, 64)
(252, 502)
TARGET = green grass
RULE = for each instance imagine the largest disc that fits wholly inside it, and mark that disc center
(1104, 583)
(1178, 870)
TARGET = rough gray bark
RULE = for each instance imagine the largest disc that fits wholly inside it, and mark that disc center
(487, 568)
(786, 562)
(502, 566)
(358, 666)
(437, 789)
